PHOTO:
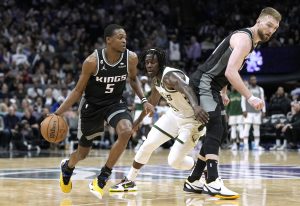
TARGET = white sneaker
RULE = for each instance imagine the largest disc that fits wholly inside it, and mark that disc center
(196, 186)
(282, 147)
(234, 147)
(258, 148)
(275, 147)
(218, 189)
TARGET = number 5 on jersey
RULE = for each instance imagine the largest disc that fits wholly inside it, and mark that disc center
(109, 88)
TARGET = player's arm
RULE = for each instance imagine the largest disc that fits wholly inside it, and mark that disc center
(153, 100)
(89, 68)
(175, 80)
(135, 83)
(224, 96)
(241, 45)
(262, 96)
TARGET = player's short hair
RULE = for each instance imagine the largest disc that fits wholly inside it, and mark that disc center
(271, 12)
(161, 57)
(110, 29)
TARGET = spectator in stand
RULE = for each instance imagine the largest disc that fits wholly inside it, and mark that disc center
(290, 131)
(10, 124)
(279, 103)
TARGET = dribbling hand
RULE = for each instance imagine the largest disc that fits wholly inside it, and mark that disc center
(149, 109)
(256, 103)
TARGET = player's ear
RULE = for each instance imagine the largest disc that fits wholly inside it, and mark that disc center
(108, 39)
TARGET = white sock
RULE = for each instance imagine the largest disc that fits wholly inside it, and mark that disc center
(256, 141)
(246, 142)
(284, 142)
(278, 142)
(132, 174)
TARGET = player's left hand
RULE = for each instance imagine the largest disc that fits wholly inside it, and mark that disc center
(225, 99)
(149, 109)
(201, 115)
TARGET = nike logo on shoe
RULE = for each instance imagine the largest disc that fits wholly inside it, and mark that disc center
(219, 190)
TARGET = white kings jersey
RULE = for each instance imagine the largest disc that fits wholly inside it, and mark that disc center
(176, 100)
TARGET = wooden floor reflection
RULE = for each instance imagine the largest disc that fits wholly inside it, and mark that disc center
(262, 179)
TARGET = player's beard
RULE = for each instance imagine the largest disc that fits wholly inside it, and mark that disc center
(262, 36)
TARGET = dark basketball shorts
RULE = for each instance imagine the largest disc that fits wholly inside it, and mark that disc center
(92, 117)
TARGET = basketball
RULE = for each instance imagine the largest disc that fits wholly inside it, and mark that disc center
(54, 128)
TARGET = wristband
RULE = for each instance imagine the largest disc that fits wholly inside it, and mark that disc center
(251, 98)
(144, 100)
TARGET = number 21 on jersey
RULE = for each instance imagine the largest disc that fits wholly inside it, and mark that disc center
(109, 88)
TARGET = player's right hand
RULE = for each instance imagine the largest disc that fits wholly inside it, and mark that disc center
(201, 115)
(256, 102)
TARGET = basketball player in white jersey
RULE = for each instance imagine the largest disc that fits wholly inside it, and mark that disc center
(251, 116)
(183, 122)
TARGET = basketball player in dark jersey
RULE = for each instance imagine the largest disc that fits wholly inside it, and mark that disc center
(210, 81)
(101, 86)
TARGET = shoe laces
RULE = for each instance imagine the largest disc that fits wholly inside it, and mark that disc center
(125, 179)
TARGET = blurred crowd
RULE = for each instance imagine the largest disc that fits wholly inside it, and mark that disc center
(44, 42)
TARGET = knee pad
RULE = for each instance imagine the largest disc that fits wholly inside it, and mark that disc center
(202, 153)
(256, 132)
(214, 134)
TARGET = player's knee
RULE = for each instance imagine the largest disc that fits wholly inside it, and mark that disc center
(125, 134)
(211, 146)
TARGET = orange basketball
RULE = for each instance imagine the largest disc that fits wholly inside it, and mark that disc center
(54, 128)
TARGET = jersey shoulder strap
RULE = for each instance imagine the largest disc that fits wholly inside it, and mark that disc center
(249, 33)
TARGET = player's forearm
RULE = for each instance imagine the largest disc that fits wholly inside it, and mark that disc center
(71, 99)
(141, 117)
(236, 81)
(190, 94)
(136, 86)
(224, 90)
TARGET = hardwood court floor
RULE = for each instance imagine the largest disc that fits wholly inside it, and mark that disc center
(262, 179)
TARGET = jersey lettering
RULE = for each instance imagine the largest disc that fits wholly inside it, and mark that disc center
(111, 79)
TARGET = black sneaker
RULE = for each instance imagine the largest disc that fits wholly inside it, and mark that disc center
(124, 186)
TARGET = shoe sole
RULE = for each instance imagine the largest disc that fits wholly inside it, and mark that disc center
(125, 190)
(220, 196)
(97, 194)
(192, 190)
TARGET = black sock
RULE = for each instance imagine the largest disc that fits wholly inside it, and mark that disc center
(67, 169)
(105, 171)
(197, 172)
(103, 176)
(212, 170)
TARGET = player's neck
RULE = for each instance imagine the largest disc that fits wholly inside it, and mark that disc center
(159, 76)
(256, 38)
(111, 56)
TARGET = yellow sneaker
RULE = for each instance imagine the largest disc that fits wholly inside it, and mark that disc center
(95, 189)
(65, 182)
